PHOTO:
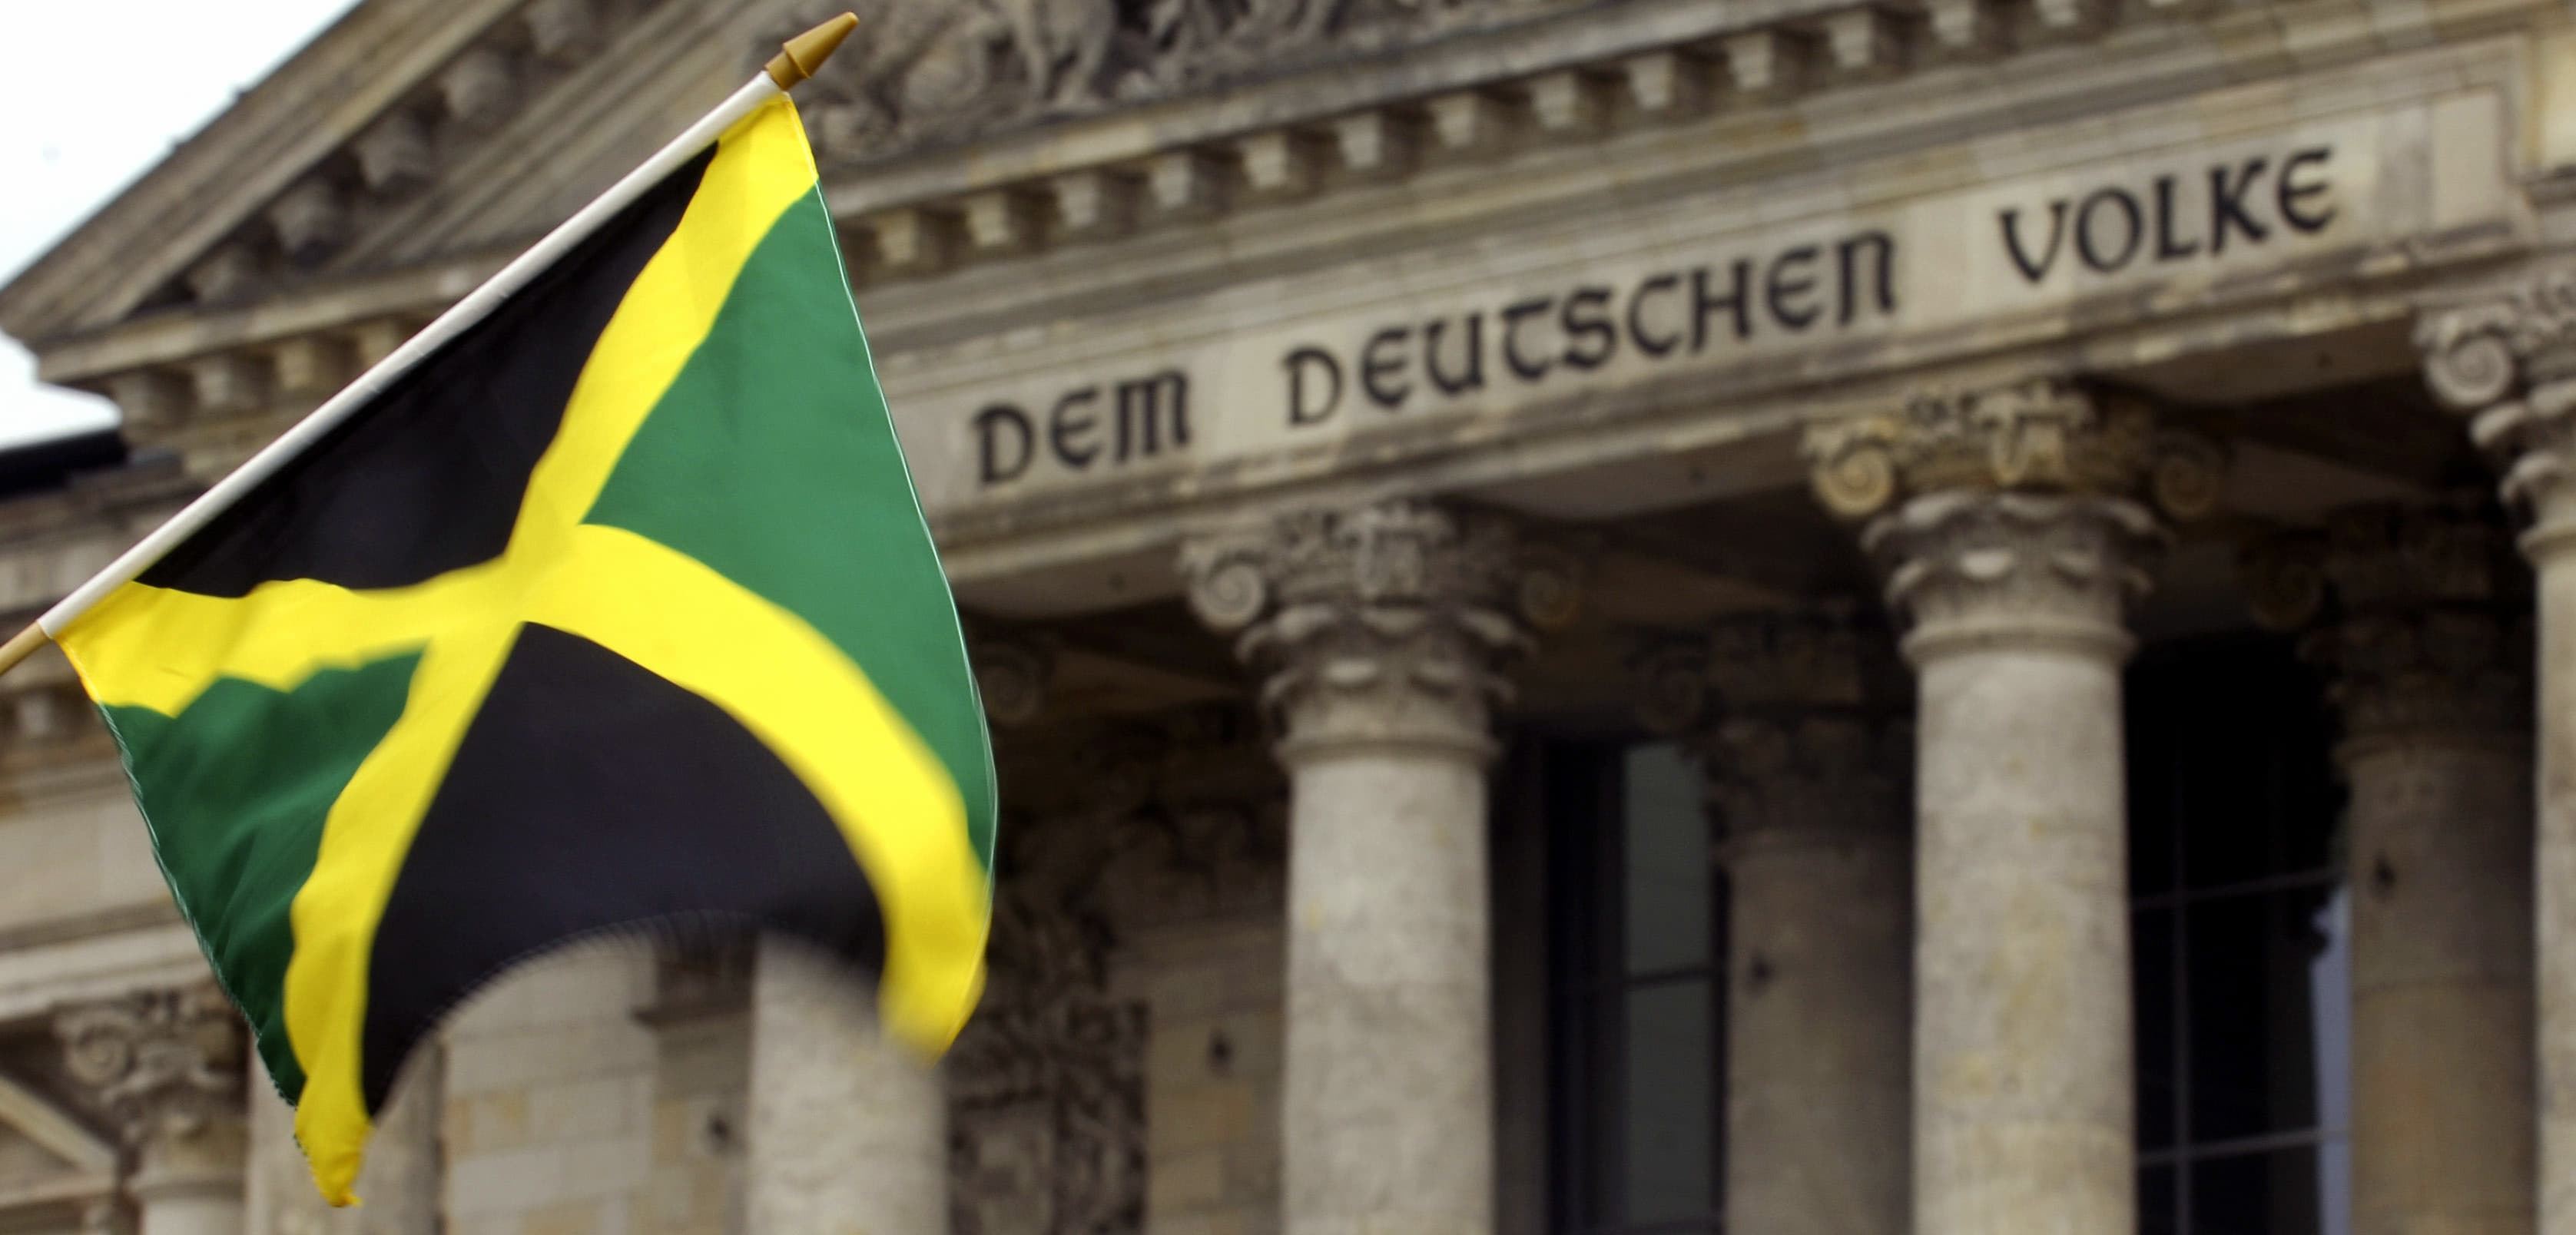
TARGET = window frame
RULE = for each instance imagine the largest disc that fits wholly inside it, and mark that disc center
(1589, 989)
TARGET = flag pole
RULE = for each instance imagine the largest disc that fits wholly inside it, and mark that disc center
(795, 62)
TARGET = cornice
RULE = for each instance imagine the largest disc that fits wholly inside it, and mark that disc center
(528, 168)
(1873, 104)
(116, 919)
(301, 114)
(1034, 266)
(1549, 95)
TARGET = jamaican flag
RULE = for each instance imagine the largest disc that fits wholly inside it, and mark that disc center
(617, 612)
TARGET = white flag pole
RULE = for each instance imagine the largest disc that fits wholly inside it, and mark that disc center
(794, 63)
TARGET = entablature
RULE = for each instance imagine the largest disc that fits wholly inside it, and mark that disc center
(2212, 201)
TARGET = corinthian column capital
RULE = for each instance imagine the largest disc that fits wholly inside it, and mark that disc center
(2506, 358)
(2022, 512)
(2041, 436)
(1792, 716)
(2484, 347)
(1382, 624)
(2419, 615)
(165, 1064)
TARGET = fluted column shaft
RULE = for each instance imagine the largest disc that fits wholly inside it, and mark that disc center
(2506, 359)
(2007, 523)
(166, 1065)
(849, 1130)
(1806, 771)
(2416, 615)
(1379, 631)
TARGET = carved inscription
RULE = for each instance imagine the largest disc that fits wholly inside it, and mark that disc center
(1111, 424)
(1529, 341)
(1562, 336)
(2174, 217)
(1292, 367)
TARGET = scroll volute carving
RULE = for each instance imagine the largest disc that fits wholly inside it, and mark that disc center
(2505, 359)
(161, 1062)
(2044, 436)
(1795, 718)
(2419, 615)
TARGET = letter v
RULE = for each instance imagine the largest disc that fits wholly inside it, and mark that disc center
(2034, 271)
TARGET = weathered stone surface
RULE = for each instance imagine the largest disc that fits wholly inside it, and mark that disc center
(548, 1093)
(849, 1131)
(1384, 625)
(1236, 380)
(166, 1066)
(2418, 617)
(1806, 775)
(1382, 631)
(923, 72)
(2507, 360)
(399, 1186)
(1217, 241)
(2010, 526)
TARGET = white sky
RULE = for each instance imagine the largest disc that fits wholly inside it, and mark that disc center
(68, 143)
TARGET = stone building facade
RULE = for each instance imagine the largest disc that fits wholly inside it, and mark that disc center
(1603, 617)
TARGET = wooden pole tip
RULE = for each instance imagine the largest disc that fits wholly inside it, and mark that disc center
(803, 56)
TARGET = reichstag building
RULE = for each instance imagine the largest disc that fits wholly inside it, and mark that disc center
(1602, 617)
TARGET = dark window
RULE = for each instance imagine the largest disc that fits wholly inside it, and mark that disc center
(2243, 1002)
(1640, 994)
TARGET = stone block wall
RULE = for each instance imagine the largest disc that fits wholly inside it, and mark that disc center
(550, 1100)
(702, 1076)
(1212, 1068)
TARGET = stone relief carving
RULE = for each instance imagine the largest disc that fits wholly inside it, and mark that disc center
(2508, 362)
(1793, 718)
(2020, 503)
(162, 1063)
(2479, 352)
(2419, 615)
(1963, 562)
(2041, 436)
(924, 71)
(1046, 1084)
(1396, 608)
(1199, 862)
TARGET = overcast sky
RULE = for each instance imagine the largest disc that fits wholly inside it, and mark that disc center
(68, 141)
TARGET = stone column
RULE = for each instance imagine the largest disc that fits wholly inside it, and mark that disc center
(1807, 773)
(849, 1130)
(2011, 525)
(166, 1065)
(2418, 618)
(1380, 631)
(2506, 359)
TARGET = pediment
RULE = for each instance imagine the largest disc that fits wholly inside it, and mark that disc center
(407, 131)
(417, 132)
